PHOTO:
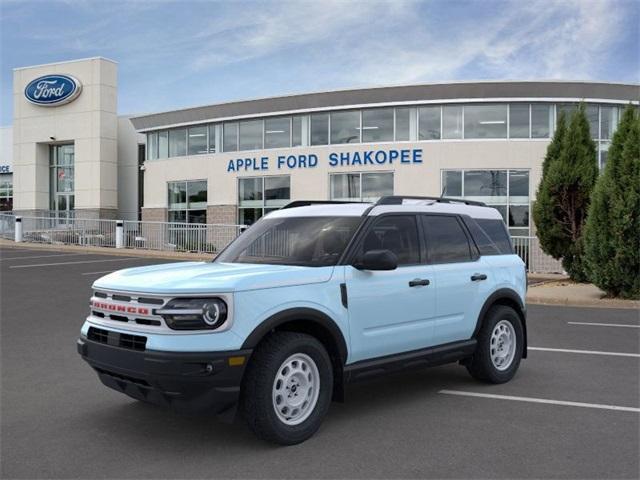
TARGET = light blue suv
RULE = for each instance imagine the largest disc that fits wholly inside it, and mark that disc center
(310, 298)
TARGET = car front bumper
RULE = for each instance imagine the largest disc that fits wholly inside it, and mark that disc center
(184, 381)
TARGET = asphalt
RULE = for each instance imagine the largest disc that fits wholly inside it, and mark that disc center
(58, 421)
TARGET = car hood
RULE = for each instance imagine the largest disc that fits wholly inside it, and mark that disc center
(207, 277)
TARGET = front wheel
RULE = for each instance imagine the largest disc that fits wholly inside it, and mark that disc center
(500, 346)
(287, 388)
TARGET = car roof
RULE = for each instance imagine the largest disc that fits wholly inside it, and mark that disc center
(358, 209)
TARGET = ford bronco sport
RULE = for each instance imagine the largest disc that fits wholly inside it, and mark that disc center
(309, 298)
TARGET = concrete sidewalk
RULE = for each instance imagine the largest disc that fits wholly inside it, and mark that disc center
(565, 292)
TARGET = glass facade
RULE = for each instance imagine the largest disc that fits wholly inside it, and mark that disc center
(6, 192)
(187, 201)
(384, 124)
(61, 179)
(360, 187)
(508, 191)
(258, 196)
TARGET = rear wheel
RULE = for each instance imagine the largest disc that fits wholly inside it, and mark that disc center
(500, 344)
(287, 388)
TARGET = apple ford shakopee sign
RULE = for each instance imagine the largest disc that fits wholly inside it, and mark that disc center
(53, 90)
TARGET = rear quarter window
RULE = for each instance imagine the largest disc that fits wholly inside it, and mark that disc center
(497, 233)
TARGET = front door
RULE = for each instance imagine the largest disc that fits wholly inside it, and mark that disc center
(391, 311)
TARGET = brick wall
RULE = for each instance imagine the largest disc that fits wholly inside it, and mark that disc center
(224, 214)
(154, 214)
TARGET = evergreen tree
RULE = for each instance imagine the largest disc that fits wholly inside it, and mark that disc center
(612, 233)
(563, 197)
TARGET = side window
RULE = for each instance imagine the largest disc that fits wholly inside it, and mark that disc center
(398, 233)
(497, 231)
(483, 242)
(446, 240)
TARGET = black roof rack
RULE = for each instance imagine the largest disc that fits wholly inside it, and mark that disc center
(397, 200)
(306, 203)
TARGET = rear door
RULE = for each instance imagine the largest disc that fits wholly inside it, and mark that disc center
(391, 311)
(463, 278)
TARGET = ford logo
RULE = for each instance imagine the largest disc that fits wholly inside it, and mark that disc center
(53, 90)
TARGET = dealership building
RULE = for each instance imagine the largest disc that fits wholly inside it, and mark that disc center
(70, 152)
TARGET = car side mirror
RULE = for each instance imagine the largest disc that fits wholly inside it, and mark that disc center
(377, 260)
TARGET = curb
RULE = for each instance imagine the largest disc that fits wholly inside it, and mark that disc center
(126, 252)
(587, 303)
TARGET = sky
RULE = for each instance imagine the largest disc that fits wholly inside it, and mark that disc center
(176, 54)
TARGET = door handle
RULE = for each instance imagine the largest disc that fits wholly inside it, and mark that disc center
(478, 276)
(419, 282)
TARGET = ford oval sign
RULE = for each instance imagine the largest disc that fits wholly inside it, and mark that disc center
(53, 90)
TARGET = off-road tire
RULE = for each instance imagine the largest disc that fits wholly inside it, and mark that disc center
(480, 365)
(257, 404)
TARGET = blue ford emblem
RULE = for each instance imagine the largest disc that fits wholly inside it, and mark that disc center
(52, 90)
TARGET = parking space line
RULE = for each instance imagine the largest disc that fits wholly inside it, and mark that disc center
(42, 256)
(74, 263)
(96, 273)
(540, 400)
(604, 324)
(588, 352)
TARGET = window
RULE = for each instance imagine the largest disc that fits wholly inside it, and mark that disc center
(485, 121)
(163, 144)
(505, 190)
(397, 233)
(61, 179)
(230, 137)
(446, 240)
(452, 181)
(258, 196)
(251, 135)
(320, 129)
(6, 192)
(296, 131)
(403, 124)
(188, 201)
(303, 241)
(541, 120)
(592, 113)
(212, 138)
(197, 140)
(429, 123)
(519, 120)
(452, 121)
(277, 132)
(497, 232)
(345, 127)
(178, 142)
(377, 125)
(608, 122)
(152, 146)
(360, 187)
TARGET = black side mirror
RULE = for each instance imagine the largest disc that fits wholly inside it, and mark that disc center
(377, 260)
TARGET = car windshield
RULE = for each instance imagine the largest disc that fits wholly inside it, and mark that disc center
(303, 241)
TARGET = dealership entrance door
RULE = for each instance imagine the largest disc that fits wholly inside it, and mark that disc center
(61, 180)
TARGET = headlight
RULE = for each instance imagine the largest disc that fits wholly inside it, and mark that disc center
(194, 313)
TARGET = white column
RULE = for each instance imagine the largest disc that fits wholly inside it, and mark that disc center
(18, 230)
(119, 234)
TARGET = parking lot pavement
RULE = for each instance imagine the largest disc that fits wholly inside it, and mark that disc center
(558, 418)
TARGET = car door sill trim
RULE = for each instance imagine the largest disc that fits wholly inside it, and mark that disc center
(426, 357)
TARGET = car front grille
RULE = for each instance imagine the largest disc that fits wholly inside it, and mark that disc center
(122, 340)
(128, 308)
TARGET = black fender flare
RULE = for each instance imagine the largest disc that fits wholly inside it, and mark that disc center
(511, 298)
(317, 317)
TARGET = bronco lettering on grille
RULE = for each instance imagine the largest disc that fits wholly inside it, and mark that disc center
(119, 308)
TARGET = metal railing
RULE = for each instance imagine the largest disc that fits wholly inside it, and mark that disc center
(192, 237)
(69, 231)
(528, 248)
(184, 237)
(7, 226)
